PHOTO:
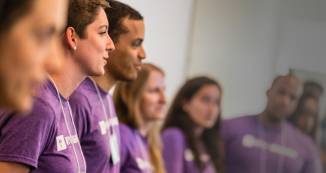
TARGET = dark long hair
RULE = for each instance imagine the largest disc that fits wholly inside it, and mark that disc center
(11, 11)
(179, 118)
(293, 119)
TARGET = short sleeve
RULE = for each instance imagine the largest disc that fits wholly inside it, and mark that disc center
(24, 137)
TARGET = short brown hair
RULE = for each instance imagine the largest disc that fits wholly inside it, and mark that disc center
(83, 12)
(287, 76)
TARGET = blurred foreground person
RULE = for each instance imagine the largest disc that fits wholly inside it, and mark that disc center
(46, 140)
(29, 47)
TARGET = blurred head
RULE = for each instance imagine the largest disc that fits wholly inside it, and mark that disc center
(197, 104)
(198, 101)
(305, 116)
(143, 101)
(313, 88)
(29, 31)
(152, 103)
(204, 107)
(282, 97)
(127, 32)
(86, 35)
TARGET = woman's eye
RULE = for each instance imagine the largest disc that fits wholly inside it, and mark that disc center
(205, 99)
(103, 33)
(153, 90)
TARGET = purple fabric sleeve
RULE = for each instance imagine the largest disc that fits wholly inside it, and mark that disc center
(23, 138)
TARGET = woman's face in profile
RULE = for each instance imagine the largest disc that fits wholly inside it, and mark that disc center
(204, 107)
(29, 49)
(153, 102)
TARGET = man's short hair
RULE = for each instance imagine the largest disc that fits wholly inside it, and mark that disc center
(287, 76)
(116, 13)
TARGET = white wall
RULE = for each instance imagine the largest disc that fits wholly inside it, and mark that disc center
(245, 44)
(235, 41)
(302, 40)
(167, 29)
(302, 43)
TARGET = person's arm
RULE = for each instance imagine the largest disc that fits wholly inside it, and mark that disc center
(8, 167)
(173, 150)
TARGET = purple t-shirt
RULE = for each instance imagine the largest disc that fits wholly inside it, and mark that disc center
(45, 139)
(134, 151)
(251, 147)
(177, 156)
(95, 128)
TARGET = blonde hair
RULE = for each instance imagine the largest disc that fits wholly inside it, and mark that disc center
(127, 96)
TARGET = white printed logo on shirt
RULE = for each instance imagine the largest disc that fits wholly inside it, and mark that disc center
(113, 140)
(61, 144)
(102, 127)
(144, 164)
(64, 141)
(250, 141)
(106, 124)
(189, 156)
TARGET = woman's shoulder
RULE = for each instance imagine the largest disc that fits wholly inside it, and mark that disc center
(173, 134)
(125, 129)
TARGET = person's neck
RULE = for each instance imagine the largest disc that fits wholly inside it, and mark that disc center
(105, 82)
(267, 121)
(144, 128)
(198, 131)
(68, 79)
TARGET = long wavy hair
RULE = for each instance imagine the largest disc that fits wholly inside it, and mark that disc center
(178, 118)
(127, 97)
